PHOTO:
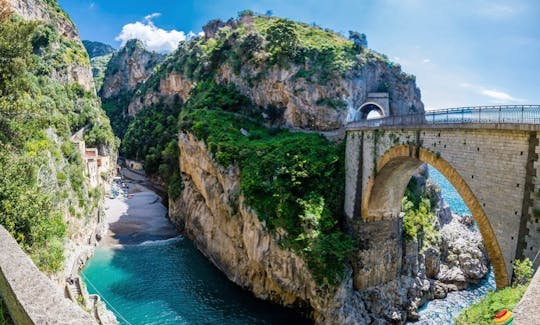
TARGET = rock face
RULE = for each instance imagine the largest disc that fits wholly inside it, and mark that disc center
(302, 101)
(174, 84)
(51, 13)
(129, 67)
(212, 213)
(96, 49)
(463, 255)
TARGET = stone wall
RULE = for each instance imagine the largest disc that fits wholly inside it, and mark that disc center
(32, 298)
(528, 310)
(492, 169)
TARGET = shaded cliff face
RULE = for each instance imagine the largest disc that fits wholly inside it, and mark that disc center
(231, 235)
(314, 82)
(96, 49)
(127, 68)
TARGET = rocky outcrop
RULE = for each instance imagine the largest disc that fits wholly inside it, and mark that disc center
(463, 255)
(303, 102)
(295, 94)
(174, 84)
(96, 49)
(50, 13)
(128, 68)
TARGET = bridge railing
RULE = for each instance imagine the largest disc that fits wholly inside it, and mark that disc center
(506, 114)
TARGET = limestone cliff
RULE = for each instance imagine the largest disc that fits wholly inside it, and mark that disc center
(313, 88)
(127, 68)
(78, 68)
(211, 212)
(231, 235)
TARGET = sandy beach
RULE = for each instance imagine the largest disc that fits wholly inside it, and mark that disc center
(138, 218)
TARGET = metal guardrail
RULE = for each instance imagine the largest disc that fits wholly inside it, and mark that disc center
(505, 114)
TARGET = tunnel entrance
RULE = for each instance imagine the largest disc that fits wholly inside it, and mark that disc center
(370, 111)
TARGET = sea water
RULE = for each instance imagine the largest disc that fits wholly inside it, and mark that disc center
(171, 282)
(443, 311)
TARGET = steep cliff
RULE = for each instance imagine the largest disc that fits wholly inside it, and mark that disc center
(300, 76)
(128, 67)
(47, 103)
(67, 51)
(96, 49)
(232, 236)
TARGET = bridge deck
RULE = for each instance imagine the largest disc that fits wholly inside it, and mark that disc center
(509, 117)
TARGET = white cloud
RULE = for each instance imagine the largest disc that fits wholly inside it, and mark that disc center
(153, 38)
(149, 18)
(426, 60)
(492, 9)
(498, 96)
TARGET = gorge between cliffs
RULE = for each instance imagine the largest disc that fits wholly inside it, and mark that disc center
(247, 138)
(124, 269)
(211, 183)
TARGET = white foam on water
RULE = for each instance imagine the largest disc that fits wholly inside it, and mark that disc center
(161, 242)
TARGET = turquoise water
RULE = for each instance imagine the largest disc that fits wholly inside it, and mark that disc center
(170, 282)
(448, 192)
(444, 311)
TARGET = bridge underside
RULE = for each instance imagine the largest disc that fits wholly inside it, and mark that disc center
(494, 170)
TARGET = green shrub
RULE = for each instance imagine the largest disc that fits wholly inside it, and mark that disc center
(4, 315)
(523, 272)
(483, 311)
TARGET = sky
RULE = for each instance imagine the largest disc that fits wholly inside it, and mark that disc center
(463, 52)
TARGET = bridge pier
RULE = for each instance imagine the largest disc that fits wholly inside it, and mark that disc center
(379, 256)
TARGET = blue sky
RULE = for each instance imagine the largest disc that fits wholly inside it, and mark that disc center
(477, 52)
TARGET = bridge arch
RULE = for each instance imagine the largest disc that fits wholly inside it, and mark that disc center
(368, 107)
(386, 187)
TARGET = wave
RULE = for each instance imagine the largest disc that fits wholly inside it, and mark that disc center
(161, 242)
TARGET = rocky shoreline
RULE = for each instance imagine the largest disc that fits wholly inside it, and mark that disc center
(131, 220)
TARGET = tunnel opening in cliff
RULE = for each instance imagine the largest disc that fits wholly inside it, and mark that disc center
(370, 111)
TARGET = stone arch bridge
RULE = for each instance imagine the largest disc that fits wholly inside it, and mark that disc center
(489, 154)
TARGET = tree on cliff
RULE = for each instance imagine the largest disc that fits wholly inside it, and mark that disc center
(15, 64)
(283, 42)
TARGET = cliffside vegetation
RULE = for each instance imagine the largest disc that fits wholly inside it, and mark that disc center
(99, 65)
(253, 44)
(152, 137)
(293, 180)
(418, 205)
(4, 316)
(483, 311)
(40, 167)
(96, 49)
